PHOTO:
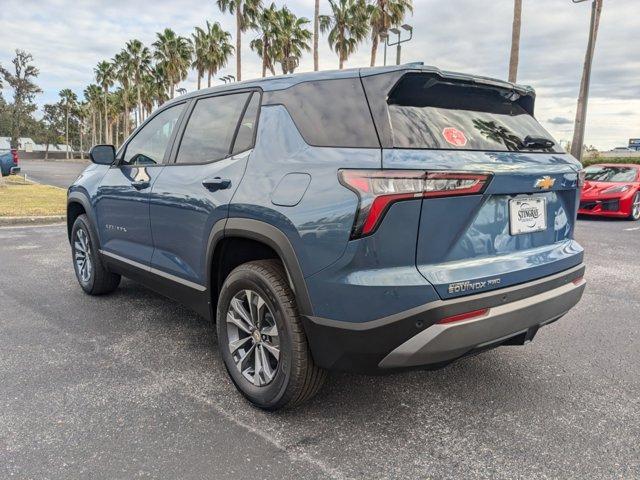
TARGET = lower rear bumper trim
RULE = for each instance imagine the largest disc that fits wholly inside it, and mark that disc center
(443, 342)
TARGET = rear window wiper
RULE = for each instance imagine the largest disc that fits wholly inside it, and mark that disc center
(537, 142)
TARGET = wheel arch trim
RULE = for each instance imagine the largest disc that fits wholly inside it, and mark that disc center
(78, 197)
(272, 237)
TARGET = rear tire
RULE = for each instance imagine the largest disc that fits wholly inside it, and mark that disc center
(635, 208)
(257, 315)
(92, 275)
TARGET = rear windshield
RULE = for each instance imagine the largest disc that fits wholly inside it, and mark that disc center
(430, 112)
(610, 174)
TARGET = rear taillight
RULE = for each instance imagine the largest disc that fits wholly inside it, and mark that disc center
(14, 154)
(378, 189)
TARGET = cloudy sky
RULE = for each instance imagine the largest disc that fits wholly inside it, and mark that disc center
(69, 37)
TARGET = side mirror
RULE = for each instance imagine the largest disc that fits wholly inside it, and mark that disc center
(103, 154)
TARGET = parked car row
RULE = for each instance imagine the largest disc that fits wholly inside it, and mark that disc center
(9, 162)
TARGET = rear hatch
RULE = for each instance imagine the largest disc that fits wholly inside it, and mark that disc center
(520, 226)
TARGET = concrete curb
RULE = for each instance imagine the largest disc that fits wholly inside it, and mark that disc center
(33, 220)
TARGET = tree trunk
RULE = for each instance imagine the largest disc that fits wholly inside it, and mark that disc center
(199, 79)
(238, 45)
(46, 152)
(81, 148)
(172, 89)
(209, 78)
(99, 128)
(106, 121)
(264, 58)
(515, 41)
(139, 118)
(316, 33)
(374, 48)
(583, 96)
(93, 127)
(126, 115)
(66, 133)
(117, 139)
(341, 62)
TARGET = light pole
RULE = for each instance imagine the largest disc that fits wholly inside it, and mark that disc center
(384, 36)
(400, 41)
(583, 95)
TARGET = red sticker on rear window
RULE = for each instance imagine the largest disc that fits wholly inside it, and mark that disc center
(454, 136)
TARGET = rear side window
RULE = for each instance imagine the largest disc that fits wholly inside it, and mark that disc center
(329, 113)
(247, 127)
(211, 127)
(427, 111)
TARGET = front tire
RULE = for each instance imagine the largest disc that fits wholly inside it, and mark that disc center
(635, 207)
(92, 275)
(261, 339)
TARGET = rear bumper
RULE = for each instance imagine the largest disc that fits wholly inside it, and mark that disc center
(415, 339)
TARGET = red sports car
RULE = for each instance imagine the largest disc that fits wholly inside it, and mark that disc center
(611, 190)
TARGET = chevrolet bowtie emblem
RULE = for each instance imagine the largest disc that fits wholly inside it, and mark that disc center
(545, 183)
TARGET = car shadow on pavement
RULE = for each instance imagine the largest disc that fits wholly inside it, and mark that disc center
(479, 380)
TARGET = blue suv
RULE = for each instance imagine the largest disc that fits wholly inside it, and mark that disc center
(363, 220)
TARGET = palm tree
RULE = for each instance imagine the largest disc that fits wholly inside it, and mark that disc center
(515, 41)
(173, 53)
(246, 12)
(140, 58)
(104, 76)
(384, 15)
(292, 38)
(583, 96)
(124, 73)
(199, 43)
(347, 26)
(116, 109)
(83, 112)
(68, 99)
(316, 35)
(218, 49)
(266, 22)
(92, 96)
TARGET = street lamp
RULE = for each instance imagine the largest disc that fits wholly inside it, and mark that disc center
(400, 41)
(583, 95)
(384, 36)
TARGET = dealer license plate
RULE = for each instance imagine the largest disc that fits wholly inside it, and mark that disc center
(527, 215)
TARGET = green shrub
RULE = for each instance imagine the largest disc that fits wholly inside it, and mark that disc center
(593, 160)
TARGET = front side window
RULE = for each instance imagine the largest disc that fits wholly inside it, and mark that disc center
(149, 145)
(211, 128)
(610, 174)
(434, 113)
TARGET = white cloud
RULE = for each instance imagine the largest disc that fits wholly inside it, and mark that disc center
(68, 38)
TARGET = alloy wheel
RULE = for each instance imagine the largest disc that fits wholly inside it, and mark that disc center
(635, 207)
(82, 252)
(253, 339)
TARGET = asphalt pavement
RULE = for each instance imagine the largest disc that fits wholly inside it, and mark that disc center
(131, 385)
(52, 172)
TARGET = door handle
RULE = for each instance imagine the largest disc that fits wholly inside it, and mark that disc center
(140, 184)
(214, 184)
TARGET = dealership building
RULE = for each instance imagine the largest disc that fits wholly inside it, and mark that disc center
(634, 144)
